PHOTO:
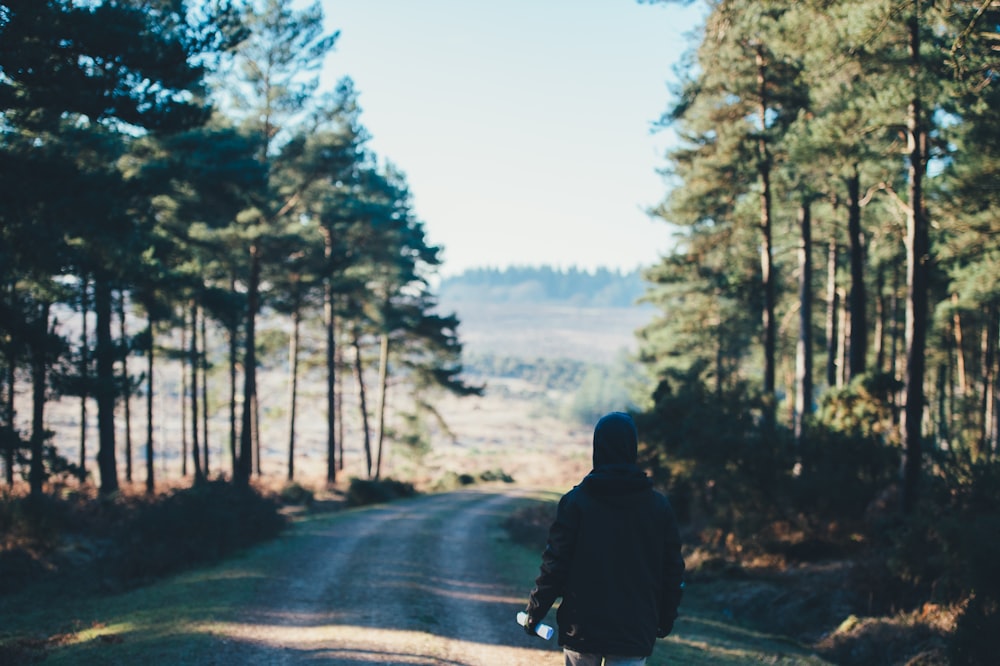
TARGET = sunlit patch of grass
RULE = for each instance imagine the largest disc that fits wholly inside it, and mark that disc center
(156, 623)
(699, 638)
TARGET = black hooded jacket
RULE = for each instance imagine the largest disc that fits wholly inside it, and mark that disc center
(613, 554)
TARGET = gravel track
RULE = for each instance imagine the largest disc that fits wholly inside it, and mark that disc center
(412, 582)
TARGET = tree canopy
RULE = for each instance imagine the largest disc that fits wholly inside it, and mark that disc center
(180, 158)
(837, 130)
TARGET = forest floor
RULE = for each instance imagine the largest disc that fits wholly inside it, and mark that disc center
(430, 580)
(438, 579)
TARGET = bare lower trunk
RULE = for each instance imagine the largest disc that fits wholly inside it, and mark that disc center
(844, 326)
(126, 386)
(105, 388)
(293, 385)
(988, 436)
(917, 281)
(880, 315)
(84, 377)
(9, 433)
(329, 321)
(39, 367)
(184, 399)
(832, 310)
(244, 467)
(193, 367)
(203, 367)
(339, 406)
(956, 322)
(803, 350)
(766, 249)
(150, 476)
(383, 381)
(359, 373)
(894, 317)
(858, 352)
(233, 360)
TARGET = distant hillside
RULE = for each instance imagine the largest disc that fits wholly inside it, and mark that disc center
(601, 288)
(531, 313)
(561, 339)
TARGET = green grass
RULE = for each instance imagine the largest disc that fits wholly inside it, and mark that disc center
(156, 623)
(164, 622)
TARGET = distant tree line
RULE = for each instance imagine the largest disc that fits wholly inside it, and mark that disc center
(831, 311)
(176, 162)
(602, 287)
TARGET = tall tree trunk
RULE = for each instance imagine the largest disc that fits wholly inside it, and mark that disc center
(994, 411)
(803, 349)
(880, 315)
(8, 434)
(766, 251)
(917, 280)
(231, 329)
(943, 414)
(858, 306)
(184, 396)
(844, 325)
(359, 373)
(293, 379)
(245, 465)
(255, 434)
(956, 322)
(84, 370)
(105, 387)
(39, 366)
(331, 362)
(383, 385)
(193, 366)
(150, 475)
(894, 317)
(126, 386)
(987, 438)
(721, 371)
(203, 368)
(832, 312)
(339, 406)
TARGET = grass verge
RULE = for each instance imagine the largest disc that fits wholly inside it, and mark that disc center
(703, 633)
(165, 622)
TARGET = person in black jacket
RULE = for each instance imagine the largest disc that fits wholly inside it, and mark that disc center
(614, 556)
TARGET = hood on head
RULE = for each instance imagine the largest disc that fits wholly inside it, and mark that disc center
(616, 441)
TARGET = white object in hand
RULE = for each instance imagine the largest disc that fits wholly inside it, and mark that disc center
(541, 629)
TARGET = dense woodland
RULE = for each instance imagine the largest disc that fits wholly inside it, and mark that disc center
(826, 357)
(176, 163)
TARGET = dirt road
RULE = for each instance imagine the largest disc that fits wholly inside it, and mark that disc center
(415, 582)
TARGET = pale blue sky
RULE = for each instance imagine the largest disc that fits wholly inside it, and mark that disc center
(523, 126)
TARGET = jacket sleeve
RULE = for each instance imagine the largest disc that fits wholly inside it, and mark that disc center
(556, 561)
(673, 578)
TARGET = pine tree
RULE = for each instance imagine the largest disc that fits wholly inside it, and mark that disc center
(275, 68)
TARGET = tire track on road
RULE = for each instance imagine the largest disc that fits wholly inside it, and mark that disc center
(413, 582)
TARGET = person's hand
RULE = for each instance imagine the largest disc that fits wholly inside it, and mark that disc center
(530, 625)
(664, 629)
